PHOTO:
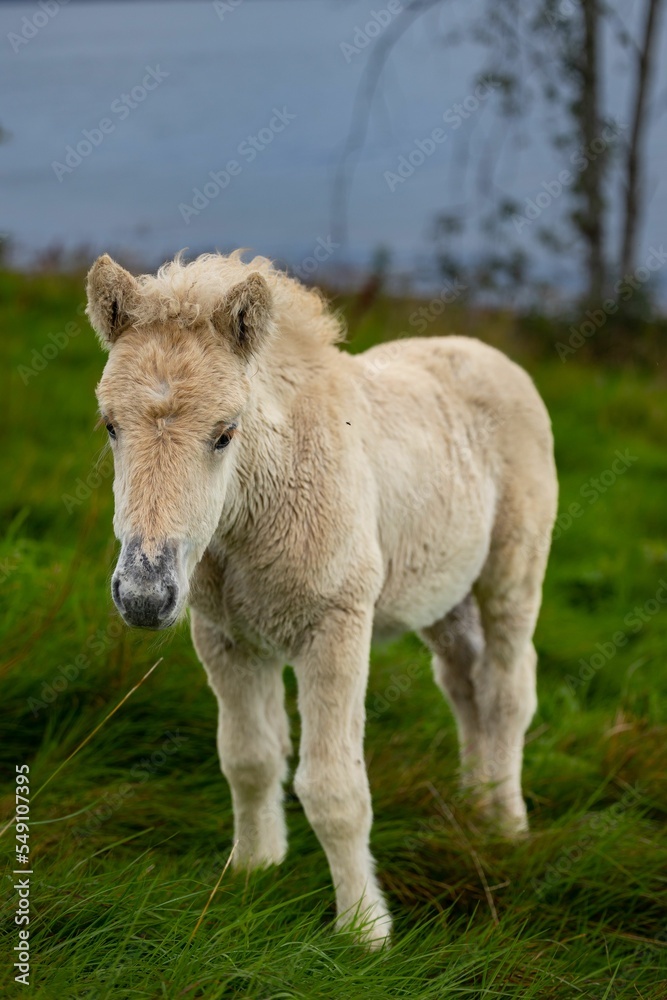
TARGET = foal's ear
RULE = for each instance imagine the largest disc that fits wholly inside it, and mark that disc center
(245, 314)
(112, 291)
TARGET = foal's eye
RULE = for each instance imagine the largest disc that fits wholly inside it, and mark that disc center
(225, 438)
(112, 431)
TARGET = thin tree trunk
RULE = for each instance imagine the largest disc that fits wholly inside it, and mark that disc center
(632, 207)
(592, 220)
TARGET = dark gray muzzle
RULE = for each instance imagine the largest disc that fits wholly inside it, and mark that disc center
(146, 589)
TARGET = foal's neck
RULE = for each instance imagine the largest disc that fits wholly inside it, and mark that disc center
(265, 466)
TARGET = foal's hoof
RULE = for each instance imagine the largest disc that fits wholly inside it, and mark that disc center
(510, 825)
(370, 927)
(505, 817)
(259, 858)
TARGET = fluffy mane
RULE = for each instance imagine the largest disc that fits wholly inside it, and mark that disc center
(189, 293)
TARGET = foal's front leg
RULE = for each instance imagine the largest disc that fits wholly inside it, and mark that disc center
(331, 779)
(253, 743)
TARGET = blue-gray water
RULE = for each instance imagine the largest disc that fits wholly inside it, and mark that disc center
(227, 69)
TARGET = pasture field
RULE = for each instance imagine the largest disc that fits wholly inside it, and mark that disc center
(129, 838)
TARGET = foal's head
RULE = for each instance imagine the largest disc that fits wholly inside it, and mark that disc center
(172, 398)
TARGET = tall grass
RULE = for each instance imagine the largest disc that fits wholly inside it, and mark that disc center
(130, 838)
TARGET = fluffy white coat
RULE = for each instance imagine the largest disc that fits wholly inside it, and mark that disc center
(299, 500)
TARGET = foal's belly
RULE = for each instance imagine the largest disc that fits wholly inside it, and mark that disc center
(412, 600)
(431, 566)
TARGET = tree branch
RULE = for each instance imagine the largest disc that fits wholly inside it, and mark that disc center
(358, 128)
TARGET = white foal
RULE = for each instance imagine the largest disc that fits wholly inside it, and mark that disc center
(299, 499)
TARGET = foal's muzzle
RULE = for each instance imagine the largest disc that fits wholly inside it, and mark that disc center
(146, 588)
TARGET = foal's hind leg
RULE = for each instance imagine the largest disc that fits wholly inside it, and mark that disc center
(457, 644)
(509, 593)
(505, 681)
(484, 661)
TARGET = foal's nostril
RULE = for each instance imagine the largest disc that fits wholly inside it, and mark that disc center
(115, 592)
(169, 601)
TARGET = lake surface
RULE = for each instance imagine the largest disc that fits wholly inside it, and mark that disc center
(119, 113)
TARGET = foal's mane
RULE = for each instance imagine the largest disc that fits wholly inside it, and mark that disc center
(188, 293)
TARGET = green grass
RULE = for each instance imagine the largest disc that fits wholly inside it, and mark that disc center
(128, 841)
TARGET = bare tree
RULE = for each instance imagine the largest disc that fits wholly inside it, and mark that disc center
(586, 112)
(553, 50)
(563, 45)
(633, 170)
(361, 112)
